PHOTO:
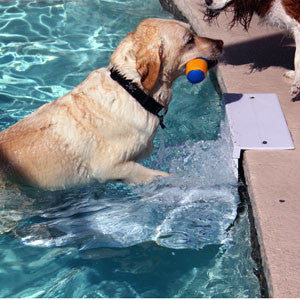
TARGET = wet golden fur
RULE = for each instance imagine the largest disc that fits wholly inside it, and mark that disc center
(98, 131)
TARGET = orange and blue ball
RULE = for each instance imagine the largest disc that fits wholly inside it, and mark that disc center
(196, 69)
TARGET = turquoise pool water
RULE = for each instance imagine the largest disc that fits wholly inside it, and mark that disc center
(171, 238)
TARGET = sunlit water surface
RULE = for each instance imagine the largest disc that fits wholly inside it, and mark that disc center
(171, 238)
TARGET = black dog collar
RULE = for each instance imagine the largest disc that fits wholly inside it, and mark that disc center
(146, 101)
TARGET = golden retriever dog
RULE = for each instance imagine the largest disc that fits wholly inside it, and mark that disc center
(100, 129)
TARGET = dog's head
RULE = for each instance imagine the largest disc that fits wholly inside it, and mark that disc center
(156, 53)
(243, 10)
(215, 7)
(217, 4)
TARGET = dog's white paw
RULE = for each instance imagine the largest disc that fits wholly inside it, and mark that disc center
(289, 74)
(295, 89)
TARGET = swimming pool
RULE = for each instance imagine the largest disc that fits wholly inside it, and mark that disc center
(171, 238)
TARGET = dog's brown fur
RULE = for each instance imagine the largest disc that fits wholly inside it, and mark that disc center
(292, 8)
(243, 11)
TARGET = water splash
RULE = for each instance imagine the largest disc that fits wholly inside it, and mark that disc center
(190, 209)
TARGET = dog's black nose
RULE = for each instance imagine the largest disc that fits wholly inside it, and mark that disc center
(208, 2)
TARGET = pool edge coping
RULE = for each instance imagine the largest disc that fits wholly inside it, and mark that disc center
(264, 171)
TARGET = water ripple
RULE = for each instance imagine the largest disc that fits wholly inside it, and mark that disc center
(46, 48)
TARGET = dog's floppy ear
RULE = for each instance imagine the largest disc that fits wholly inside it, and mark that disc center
(148, 61)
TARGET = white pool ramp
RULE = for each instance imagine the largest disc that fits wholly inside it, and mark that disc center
(256, 121)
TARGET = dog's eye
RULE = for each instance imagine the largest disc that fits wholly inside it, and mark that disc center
(191, 40)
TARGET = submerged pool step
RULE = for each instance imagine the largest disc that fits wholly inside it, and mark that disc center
(256, 121)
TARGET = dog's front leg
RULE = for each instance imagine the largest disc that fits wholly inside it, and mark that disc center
(295, 89)
(134, 173)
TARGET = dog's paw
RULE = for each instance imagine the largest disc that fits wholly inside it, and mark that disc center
(295, 89)
(161, 174)
(289, 74)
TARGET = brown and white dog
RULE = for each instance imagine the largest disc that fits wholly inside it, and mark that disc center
(107, 123)
(282, 13)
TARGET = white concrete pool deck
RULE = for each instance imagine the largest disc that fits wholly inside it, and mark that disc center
(254, 62)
